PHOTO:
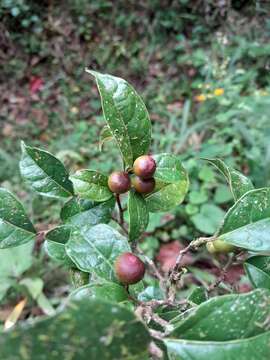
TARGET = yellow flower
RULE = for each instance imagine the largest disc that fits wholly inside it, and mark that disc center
(218, 91)
(200, 98)
(75, 89)
(74, 110)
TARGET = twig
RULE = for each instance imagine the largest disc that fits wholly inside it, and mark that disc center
(158, 320)
(155, 352)
(121, 211)
(175, 274)
(153, 267)
(193, 245)
(222, 275)
(121, 225)
(156, 303)
(156, 334)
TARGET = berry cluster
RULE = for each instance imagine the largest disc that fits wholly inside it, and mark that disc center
(143, 182)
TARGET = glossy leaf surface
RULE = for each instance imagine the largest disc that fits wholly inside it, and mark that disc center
(169, 168)
(258, 271)
(198, 295)
(239, 183)
(167, 196)
(80, 212)
(55, 244)
(86, 329)
(95, 249)
(105, 135)
(171, 184)
(45, 173)
(104, 291)
(228, 317)
(254, 237)
(91, 185)
(15, 226)
(255, 348)
(138, 215)
(126, 116)
(247, 223)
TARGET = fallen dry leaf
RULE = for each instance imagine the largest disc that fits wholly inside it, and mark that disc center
(15, 314)
(168, 254)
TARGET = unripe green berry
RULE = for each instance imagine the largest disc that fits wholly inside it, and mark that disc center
(210, 247)
(144, 166)
(129, 268)
(222, 246)
(219, 247)
(119, 182)
(143, 186)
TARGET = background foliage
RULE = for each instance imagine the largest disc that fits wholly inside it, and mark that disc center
(202, 69)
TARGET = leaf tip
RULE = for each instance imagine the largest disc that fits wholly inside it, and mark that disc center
(23, 145)
(91, 72)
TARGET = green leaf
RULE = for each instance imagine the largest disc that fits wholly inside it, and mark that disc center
(78, 278)
(115, 334)
(55, 244)
(198, 295)
(167, 196)
(91, 185)
(45, 173)
(208, 219)
(247, 223)
(5, 284)
(126, 116)
(171, 184)
(151, 293)
(198, 197)
(13, 263)
(169, 169)
(222, 194)
(44, 303)
(206, 174)
(104, 291)
(138, 215)
(253, 237)
(258, 271)
(95, 249)
(105, 135)
(228, 317)
(256, 348)
(80, 212)
(33, 285)
(239, 183)
(15, 226)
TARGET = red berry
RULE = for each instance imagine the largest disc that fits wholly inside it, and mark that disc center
(129, 268)
(119, 182)
(143, 186)
(144, 166)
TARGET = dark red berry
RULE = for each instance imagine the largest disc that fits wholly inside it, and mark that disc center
(119, 182)
(129, 268)
(143, 186)
(144, 166)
